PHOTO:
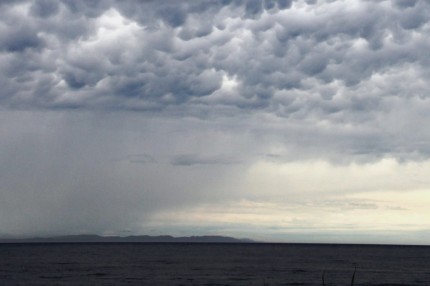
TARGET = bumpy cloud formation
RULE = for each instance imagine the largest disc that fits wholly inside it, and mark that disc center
(352, 73)
(329, 59)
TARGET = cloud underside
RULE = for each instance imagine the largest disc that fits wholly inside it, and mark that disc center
(160, 115)
(326, 60)
(333, 68)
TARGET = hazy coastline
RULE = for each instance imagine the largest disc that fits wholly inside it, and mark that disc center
(92, 238)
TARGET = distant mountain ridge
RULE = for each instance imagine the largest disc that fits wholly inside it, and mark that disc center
(89, 238)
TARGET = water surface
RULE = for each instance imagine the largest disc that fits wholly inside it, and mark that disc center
(212, 264)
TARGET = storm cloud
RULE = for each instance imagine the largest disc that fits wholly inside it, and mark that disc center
(290, 59)
(152, 106)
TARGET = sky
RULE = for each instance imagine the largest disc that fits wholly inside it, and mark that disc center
(283, 121)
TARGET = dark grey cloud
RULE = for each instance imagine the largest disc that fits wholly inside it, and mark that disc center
(21, 39)
(195, 159)
(405, 3)
(154, 55)
(44, 8)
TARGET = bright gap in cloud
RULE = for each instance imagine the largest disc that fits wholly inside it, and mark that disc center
(286, 200)
(113, 26)
(229, 83)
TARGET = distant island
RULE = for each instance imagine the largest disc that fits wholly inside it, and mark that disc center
(127, 239)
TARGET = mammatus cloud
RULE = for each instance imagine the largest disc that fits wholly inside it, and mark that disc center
(328, 59)
(353, 68)
(116, 114)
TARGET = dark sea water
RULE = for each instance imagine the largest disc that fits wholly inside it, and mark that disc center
(212, 264)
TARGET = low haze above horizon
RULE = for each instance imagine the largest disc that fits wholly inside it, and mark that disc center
(275, 120)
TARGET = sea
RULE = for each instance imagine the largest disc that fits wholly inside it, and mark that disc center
(159, 264)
